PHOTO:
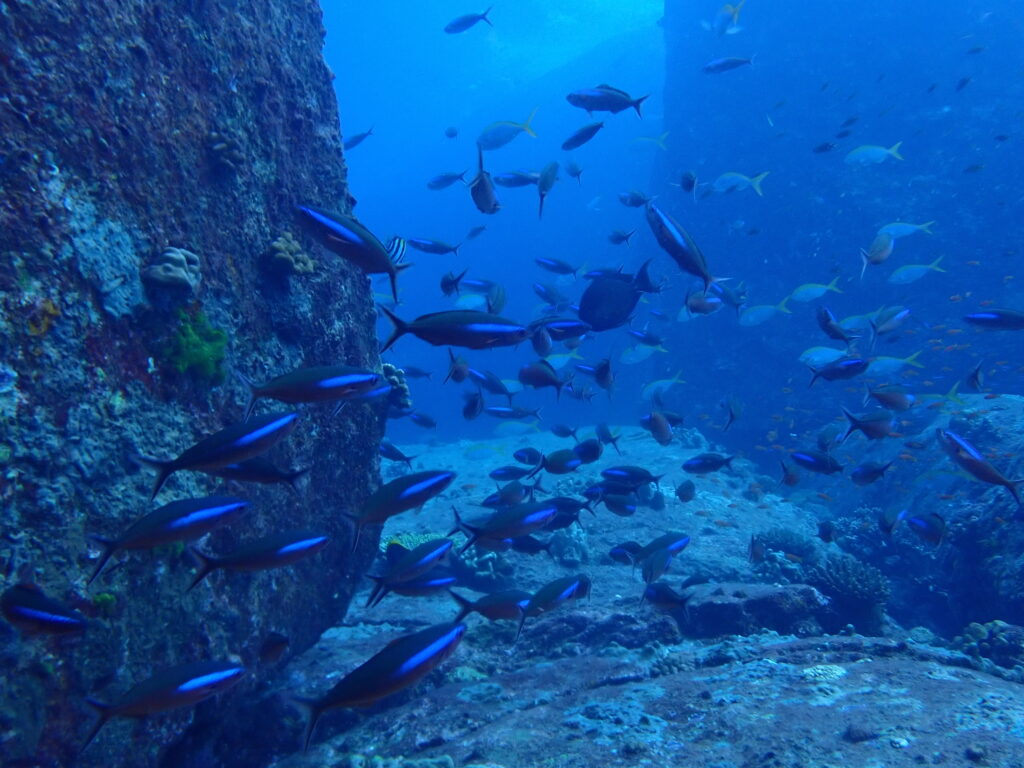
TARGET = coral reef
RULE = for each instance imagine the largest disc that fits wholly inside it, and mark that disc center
(788, 542)
(197, 348)
(225, 151)
(858, 592)
(399, 398)
(175, 269)
(286, 253)
(996, 640)
(713, 610)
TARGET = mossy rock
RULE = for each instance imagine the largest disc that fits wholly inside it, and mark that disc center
(197, 348)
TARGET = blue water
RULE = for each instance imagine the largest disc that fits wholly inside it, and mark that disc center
(894, 67)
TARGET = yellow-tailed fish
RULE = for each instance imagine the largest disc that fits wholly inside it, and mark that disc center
(872, 154)
(913, 272)
(736, 182)
(812, 291)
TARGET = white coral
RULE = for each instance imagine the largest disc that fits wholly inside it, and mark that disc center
(177, 267)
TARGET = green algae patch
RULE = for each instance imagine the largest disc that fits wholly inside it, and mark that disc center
(197, 349)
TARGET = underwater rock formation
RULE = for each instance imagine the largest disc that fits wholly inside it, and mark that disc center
(175, 268)
(100, 172)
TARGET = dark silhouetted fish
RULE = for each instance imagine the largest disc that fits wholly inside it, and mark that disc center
(929, 526)
(402, 662)
(816, 461)
(554, 594)
(705, 463)
(874, 425)
(605, 98)
(400, 495)
(997, 319)
(445, 180)
(678, 244)
(355, 141)
(481, 188)
(717, 66)
(26, 607)
(458, 328)
(575, 172)
(868, 472)
(261, 470)
(407, 565)
(436, 247)
(230, 445)
(970, 459)
(355, 243)
(274, 551)
(846, 367)
(507, 605)
(619, 236)
(608, 303)
(467, 21)
(182, 520)
(582, 136)
(686, 491)
(546, 180)
(313, 385)
(181, 686)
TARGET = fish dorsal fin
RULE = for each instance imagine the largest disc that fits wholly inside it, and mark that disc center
(613, 89)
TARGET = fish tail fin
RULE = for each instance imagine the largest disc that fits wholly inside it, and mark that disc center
(953, 394)
(926, 227)
(832, 285)
(206, 565)
(164, 470)
(401, 328)
(455, 250)
(637, 104)
(864, 262)
(393, 278)
(912, 360)
(781, 306)
(527, 128)
(660, 141)
(934, 266)
(104, 712)
(109, 547)
(540, 208)
(483, 16)
(378, 591)
(465, 605)
(894, 150)
(253, 397)
(312, 710)
(756, 181)
(814, 378)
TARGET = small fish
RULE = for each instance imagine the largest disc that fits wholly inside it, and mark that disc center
(389, 451)
(762, 313)
(182, 520)
(274, 551)
(438, 247)
(678, 244)
(970, 459)
(180, 686)
(328, 383)
(872, 154)
(706, 463)
(997, 319)
(812, 291)
(789, 476)
(726, 20)
(717, 66)
(515, 179)
(962, 83)
(633, 199)
(737, 182)
(825, 146)
(604, 434)
(547, 179)
(816, 461)
(497, 135)
(930, 527)
(605, 98)
(450, 282)
(405, 565)
(911, 273)
(402, 663)
(688, 181)
(506, 412)
(899, 229)
(893, 397)
(554, 594)
(581, 136)
(530, 456)
(686, 491)
(467, 21)
(356, 140)
(397, 496)
(874, 425)
(632, 476)
(507, 605)
(260, 470)
(846, 367)
(26, 607)
(451, 132)
(575, 172)
(888, 520)
(355, 243)
(422, 420)
(458, 328)
(843, 133)
(444, 180)
(619, 236)
(868, 472)
(473, 405)
(481, 188)
(625, 553)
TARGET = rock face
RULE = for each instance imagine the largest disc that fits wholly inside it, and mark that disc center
(713, 610)
(128, 128)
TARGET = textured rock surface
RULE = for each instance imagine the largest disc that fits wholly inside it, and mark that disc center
(729, 608)
(127, 127)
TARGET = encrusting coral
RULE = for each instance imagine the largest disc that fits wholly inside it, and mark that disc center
(175, 268)
(286, 251)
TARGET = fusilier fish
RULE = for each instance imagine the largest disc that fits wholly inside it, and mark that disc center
(400, 495)
(581, 136)
(458, 328)
(678, 244)
(402, 662)
(274, 551)
(26, 607)
(605, 98)
(319, 384)
(481, 188)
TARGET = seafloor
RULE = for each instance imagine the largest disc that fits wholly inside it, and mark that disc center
(743, 676)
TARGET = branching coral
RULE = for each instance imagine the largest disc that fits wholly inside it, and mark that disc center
(399, 398)
(197, 348)
(287, 252)
(858, 591)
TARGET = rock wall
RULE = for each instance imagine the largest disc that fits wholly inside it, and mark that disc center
(127, 127)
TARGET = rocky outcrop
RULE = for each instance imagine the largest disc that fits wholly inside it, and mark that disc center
(713, 610)
(127, 128)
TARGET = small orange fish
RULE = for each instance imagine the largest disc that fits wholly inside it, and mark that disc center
(956, 297)
(974, 264)
(794, 558)
(991, 396)
(824, 497)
